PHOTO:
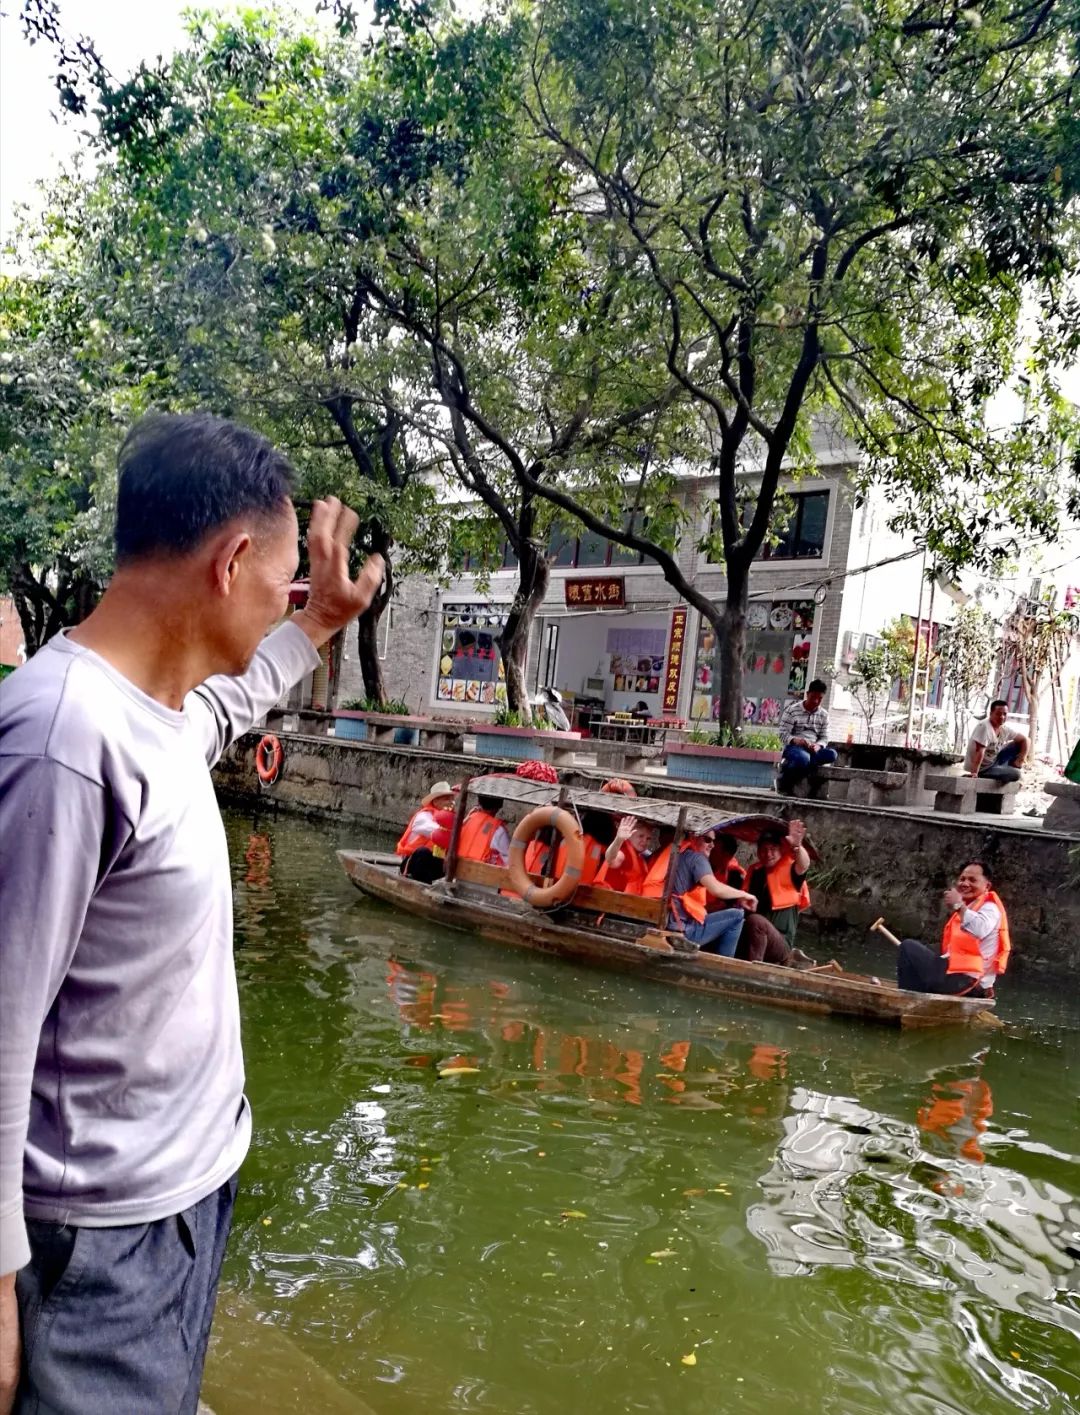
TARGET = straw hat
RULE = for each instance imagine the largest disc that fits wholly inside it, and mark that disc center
(440, 789)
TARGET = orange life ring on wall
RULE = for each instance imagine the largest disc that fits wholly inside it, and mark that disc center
(546, 818)
(269, 759)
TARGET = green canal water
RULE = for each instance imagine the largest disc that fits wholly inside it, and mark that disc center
(486, 1181)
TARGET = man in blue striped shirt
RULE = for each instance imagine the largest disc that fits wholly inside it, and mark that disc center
(804, 732)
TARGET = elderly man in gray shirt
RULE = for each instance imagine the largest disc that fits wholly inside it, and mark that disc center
(123, 1119)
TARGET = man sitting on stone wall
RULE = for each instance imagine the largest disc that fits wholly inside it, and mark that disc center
(804, 732)
(995, 752)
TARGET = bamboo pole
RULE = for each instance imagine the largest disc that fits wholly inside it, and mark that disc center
(455, 832)
(915, 665)
(669, 879)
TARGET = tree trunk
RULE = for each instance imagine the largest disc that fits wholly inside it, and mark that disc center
(730, 627)
(1034, 696)
(367, 626)
(533, 576)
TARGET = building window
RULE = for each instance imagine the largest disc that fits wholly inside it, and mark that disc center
(798, 531)
(470, 664)
(587, 550)
(778, 638)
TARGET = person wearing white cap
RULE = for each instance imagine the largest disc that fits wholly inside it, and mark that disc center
(423, 842)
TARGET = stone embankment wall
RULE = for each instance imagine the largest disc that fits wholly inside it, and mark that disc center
(874, 862)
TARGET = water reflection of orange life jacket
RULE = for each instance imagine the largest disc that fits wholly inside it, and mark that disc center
(955, 1107)
(476, 836)
(628, 877)
(695, 902)
(962, 949)
(413, 839)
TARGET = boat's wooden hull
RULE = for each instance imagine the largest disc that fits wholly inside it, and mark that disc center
(503, 921)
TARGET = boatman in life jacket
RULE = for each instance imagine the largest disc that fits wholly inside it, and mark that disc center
(975, 945)
(484, 837)
(692, 885)
(778, 878)
(423, 842)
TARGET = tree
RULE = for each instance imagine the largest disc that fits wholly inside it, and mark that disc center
(874, 670)
(1036, 638)
(840, 207)
(347, 247)
(967, 649)
(61, 422)
(210, 273)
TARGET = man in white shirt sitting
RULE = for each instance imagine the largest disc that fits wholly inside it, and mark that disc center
(995, 751)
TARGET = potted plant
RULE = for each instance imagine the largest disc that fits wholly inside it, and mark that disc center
(505, 736)
(723, 758)
(351, 720)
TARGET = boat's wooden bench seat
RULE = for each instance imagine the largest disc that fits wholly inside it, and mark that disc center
(964, 795)
(861, 787)
(587, 896)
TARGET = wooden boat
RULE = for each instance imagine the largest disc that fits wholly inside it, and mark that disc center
(608, 929)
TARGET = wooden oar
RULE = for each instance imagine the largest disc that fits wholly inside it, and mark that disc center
(878, 926)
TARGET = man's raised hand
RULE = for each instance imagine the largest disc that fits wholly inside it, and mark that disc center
(334, 599)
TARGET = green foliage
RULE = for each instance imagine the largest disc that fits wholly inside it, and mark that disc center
(508, 717)
(875, 669)
(843, 211)
(394, 707)
(967, 646)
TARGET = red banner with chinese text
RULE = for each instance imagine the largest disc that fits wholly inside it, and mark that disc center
(676, 650)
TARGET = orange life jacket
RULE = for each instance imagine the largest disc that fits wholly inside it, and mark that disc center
(412, 840)
(627, 877)
(538, 857)
(594, 858)
(962, 949)
(782, 892)
(695, 901)
(652, 886)
(476, 833)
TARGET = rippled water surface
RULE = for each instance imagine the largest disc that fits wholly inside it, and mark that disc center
(487, 1181)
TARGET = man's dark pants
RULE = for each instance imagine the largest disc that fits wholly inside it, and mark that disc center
(920, 969)
(1003, 768)
(799, 762)
(115, 1321)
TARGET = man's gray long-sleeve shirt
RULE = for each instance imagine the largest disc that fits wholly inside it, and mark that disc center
(121, 1074)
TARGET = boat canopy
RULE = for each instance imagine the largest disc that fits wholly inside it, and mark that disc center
(699, 819)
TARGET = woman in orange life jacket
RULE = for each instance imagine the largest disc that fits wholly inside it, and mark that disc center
(975, 945)
(598, 829)
(692, 885)
(484, 837)
(625, 860)
(778, 878)
(424, 840)
(760, 940)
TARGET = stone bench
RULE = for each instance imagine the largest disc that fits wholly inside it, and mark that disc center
(1064, 812)
(964, 795)
(618, 756)
(858, 786)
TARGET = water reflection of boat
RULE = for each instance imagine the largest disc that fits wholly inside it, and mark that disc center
(621, 931)
(850, 1187)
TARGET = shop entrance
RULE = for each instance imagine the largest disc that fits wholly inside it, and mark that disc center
(605, 662)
